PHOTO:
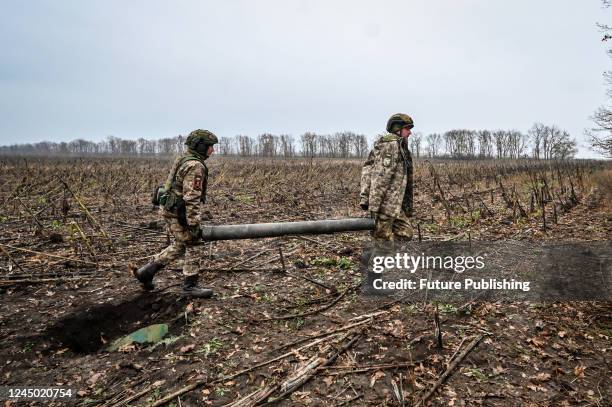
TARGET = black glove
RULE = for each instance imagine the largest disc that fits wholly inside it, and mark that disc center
(364, 206)
(196, 232)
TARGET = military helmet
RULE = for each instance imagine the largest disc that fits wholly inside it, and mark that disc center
(200, 137)
(398, 121)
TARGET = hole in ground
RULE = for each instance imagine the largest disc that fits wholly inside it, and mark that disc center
(91, 328)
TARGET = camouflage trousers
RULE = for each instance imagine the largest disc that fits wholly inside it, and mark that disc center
(182, 245)
(389, 228)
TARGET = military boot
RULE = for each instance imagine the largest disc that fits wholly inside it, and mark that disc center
(146, 273)
(191, 289)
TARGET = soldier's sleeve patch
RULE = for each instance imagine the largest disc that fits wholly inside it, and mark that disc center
(387, 160)
(197, 183)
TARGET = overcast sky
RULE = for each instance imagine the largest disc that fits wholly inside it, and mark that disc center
(152, 69)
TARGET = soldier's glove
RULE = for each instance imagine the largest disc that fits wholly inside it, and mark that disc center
(196, 232)
(364, 206)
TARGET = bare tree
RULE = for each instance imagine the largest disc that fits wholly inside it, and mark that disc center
(550, 142)
(225, 146)
(245, 145)
(180, 144)
(166, 146)
(267, 145)
(564, 147)
(415, 143)
(78, 146)
(434, 141)
(460, 143)
(128, 147)
(309, 144)
(516, 144)
(485, 143)
(499, 136)
(600, 136)
(360, 145)
(114, 144)
(343, 142)
(286, 145)
(536, 134)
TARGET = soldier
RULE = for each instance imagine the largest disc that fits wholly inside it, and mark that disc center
(181, 206)
(386, 181)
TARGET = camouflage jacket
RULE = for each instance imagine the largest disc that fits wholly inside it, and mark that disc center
(386, 177)
(189, 183)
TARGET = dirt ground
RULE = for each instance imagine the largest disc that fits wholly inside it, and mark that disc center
(71, 228)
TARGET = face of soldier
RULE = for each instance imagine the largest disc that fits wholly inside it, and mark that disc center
(405, 132)
(210, 151)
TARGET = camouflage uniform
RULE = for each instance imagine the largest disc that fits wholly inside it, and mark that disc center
(190, 184)
(386, 188)
(181, 199)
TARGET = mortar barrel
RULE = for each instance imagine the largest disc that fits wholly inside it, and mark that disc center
(261, 230)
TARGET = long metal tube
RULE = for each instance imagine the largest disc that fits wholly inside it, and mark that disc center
(311, 227)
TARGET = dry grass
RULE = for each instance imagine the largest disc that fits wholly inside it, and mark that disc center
(603, 181)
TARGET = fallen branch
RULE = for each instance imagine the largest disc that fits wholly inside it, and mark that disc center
(343, 328)
(11, 259)
(202, 382)
(116, 397)
(313, 281)
(449, 370)
(321, 337)
(30, 213)
(136, 396)
(255, 397)
(237, 270)
(316, 311)
(87, 213)
(390, 303)
(82, 273)
(314, 301)
(235, 266)
(49, 255)
(308, 372)
(178, 393)
(325, 245)
(274, 258)
(4, 283)
(366, 316)
(361, 369)
(349, 401)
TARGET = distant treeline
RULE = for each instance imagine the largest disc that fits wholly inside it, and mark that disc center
(541, 141)
(338, 145)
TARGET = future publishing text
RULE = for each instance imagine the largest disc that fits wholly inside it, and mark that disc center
(403, 262)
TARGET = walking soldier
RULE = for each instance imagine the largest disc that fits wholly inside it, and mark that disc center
(386, 181)
(181, 199)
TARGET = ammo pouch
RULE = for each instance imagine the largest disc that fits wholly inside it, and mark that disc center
(157, 194)
(171, 202)
(165, 196)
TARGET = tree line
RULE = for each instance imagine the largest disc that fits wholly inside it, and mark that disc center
(339, 145)
(541, 141)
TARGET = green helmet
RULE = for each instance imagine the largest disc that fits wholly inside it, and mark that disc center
(200, 137)
(398, 121)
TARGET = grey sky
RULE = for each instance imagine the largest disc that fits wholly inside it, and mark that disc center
(88, 69)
